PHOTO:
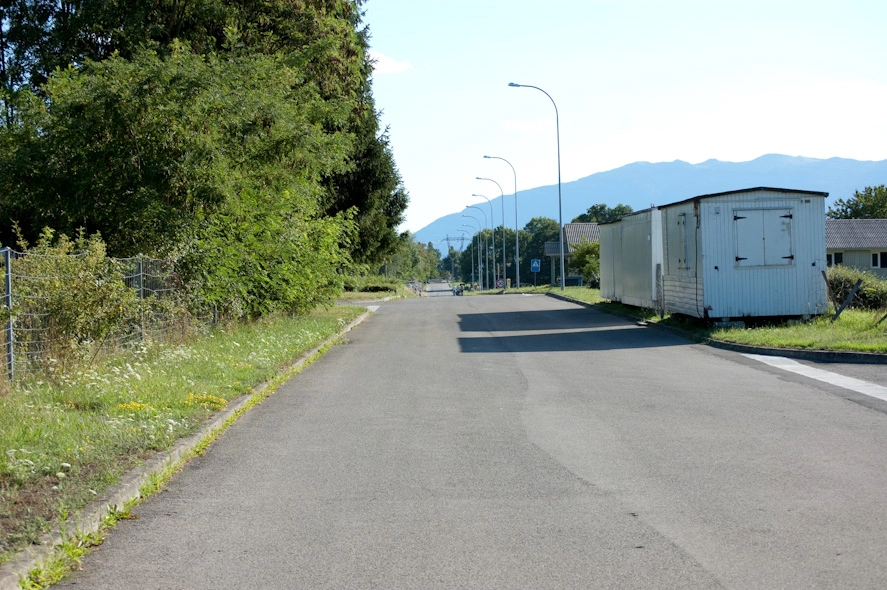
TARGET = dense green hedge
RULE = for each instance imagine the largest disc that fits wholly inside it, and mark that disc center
(370, 284)
(871, 295)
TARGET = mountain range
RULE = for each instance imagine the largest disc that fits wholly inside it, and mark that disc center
(643, 184)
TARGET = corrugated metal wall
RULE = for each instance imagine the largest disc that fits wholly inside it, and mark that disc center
(626, 260)
(739, 280)
(683, 288)
(611, 260)
(637, 259)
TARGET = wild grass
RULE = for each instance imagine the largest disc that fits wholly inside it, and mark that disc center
(65, 437)
(368, 295)
(856, 330)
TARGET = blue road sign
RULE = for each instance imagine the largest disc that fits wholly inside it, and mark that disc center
(535, 265)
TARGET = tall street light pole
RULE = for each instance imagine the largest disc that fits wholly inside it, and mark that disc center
(501, 196)
(560, 213)
(516, 228)
(475, 262)
(471, 241)
(492, 231)
(483, 278)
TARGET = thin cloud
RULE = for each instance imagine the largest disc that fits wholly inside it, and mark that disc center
(382, 64)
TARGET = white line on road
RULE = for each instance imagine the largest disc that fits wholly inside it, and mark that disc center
(373, 308)
(850, 383)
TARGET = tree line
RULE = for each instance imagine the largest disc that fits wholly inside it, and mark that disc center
(532, 238)
(239, 138)
(870, 203)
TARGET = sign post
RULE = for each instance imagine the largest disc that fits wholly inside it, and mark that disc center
(535, 266)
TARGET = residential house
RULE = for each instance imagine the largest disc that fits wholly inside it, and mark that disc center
(857, 243)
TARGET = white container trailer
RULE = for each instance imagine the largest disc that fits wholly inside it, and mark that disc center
(749, 253)
(632, 252)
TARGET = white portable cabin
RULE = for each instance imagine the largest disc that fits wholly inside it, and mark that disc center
(749, 253)
(631, 253)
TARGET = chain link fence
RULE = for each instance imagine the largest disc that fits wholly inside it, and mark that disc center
(56, 306)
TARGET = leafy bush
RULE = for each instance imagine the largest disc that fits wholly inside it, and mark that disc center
(70, 299)
(71, 289)
(264, 253)
(872, 294)
(586, 259)
(370, 284)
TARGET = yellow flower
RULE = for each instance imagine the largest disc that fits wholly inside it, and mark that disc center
(207, 401)
(134, 406)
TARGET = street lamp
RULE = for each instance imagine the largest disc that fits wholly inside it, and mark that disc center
(471, 258)
(501, 196)
(484, 279)
(475, 262)
(560, 213)
(492, 232)
(516, 228)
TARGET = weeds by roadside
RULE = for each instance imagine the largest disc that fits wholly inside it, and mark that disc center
(65, 438)
(856, 330)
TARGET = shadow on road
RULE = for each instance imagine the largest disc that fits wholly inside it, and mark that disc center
(511, 321)
(569, 330)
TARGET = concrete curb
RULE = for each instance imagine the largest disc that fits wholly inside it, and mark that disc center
(91, 518)
(831, 356)
(360, 302)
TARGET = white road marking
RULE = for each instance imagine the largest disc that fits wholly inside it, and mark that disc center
(373, 308)
(850, 383)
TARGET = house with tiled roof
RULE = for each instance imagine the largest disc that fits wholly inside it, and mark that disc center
(857, 243)
(574, 234)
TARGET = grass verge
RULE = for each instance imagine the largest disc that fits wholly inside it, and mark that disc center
(856, 330)
(369, 295)
(66, 438)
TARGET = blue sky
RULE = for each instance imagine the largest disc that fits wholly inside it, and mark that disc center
(633, 80)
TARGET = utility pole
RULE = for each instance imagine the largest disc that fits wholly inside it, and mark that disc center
(461, 241)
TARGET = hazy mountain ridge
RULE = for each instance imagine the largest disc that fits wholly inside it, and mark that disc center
(642, 184)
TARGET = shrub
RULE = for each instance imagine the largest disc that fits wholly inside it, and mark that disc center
(586, 259)
(369, 284)
(70, 299)
(71, 291)
(872, 294)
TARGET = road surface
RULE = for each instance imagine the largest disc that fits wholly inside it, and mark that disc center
(523, 442)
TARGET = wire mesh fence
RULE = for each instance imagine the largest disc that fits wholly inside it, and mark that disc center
(58, 306)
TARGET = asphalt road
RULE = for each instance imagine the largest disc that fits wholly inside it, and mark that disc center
(523, 442)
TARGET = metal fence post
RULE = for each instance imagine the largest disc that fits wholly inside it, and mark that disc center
(140, 276)
(7, 300)
(140, 273)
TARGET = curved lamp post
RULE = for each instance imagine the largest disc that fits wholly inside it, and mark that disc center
(467, 234)
(516, 228)
(502, 196)
(475, 262)
(492, 232)
(476, 220)
(560, 214)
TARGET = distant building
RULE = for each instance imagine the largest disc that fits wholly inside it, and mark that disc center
(857, 243)
(574, 233)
